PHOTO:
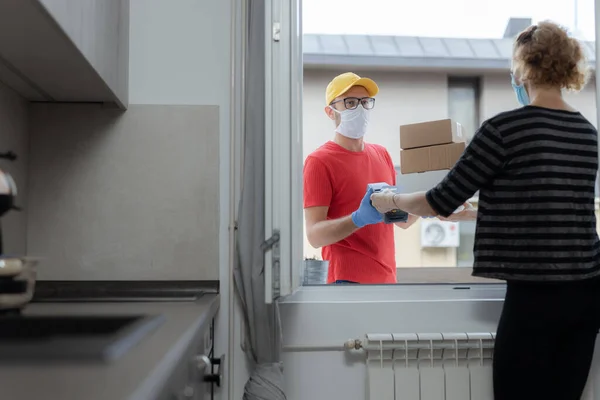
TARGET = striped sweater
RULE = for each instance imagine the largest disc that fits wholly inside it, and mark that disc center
(535, 169)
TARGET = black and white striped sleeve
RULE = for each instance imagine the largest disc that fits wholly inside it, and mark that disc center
(481, 161)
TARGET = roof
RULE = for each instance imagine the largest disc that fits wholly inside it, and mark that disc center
(411, 52)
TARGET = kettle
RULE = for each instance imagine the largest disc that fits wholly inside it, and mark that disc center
(17, 274)
(17, 283)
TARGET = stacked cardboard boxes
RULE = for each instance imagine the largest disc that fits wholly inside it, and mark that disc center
(430, 146)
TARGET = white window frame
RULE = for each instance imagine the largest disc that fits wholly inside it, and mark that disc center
(597, 48)
(283, 141)
(283, 152)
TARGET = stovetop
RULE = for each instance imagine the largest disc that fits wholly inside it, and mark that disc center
(122, 291)
(74, 337)
(103, 338)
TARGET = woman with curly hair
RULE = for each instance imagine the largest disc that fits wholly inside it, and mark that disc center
(535, 169)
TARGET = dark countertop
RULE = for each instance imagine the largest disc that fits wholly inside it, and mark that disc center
(140, 374)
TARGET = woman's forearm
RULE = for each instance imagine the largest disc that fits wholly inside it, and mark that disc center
(414, 203)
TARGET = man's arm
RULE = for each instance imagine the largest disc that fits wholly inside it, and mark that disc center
(318, 192)
(322, 232)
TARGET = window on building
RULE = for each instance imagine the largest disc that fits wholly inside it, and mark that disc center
(463, 103)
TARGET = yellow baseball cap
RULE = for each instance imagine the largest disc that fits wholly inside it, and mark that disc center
(344, 82)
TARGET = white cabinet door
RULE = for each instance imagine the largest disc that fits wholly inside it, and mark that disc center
(283, 141)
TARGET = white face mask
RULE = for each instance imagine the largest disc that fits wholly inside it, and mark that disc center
(353, 123)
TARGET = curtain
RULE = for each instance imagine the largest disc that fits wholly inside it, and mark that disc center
(262, 344)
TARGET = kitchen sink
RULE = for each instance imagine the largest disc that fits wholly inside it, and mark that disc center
(73, 337)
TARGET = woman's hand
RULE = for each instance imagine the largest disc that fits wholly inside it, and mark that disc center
(384, 201)
(468, 213)
(413, 203)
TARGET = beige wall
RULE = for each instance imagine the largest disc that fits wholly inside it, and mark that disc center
(497, 96)
(405, 98)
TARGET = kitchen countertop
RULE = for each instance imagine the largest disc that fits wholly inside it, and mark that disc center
(137, 375)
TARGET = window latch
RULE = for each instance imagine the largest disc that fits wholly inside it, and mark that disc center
(276, 31)
(270, 242)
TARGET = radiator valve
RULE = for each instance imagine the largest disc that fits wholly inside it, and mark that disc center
(353, 344)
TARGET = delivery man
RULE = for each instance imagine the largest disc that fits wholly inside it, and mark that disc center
(338, 214)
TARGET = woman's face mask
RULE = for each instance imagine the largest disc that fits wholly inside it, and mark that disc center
(520, 91)
(353, 123)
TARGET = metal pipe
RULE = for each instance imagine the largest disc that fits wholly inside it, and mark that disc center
(350, 344)
(312, 348)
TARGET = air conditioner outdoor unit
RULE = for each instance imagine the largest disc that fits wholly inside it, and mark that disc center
(436, 233)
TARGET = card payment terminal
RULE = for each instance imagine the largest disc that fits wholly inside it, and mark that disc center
(392, 216)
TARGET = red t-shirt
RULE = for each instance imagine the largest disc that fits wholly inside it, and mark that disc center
(338, 178)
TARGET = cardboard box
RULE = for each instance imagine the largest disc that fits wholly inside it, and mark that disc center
(432, 158)
(431, 133)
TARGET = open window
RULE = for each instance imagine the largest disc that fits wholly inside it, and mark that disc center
(283, 155)
(425, 72)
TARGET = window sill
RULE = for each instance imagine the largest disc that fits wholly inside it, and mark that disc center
(439, 275)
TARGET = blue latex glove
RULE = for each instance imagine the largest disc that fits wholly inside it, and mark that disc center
(366, 213)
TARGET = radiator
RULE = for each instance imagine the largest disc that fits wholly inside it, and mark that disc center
(431, 366)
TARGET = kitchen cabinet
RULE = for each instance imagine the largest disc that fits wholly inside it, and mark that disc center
(51, 51)
(196, 373)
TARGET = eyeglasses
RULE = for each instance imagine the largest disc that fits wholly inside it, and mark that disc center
(352, 102)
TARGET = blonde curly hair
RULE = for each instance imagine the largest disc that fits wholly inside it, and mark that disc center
(546, 56)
